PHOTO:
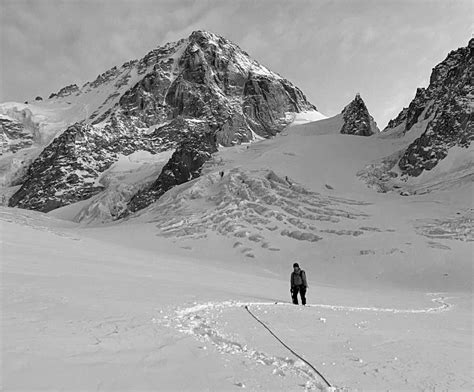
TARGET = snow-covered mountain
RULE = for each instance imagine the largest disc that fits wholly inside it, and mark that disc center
(433, 135)
(199, 85)
(202, 90)
(156, 301)
(442, 113)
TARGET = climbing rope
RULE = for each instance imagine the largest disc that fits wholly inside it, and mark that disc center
(288, 348)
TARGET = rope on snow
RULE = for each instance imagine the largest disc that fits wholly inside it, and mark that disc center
(288, 348)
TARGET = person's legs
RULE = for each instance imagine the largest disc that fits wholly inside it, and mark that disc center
(303, 295)
(294, 295)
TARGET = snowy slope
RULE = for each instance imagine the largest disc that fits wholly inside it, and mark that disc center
(300, 193)
(81, 311)
(156, 301)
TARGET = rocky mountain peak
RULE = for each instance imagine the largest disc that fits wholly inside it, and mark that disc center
(449, 77)
(448, 71)
(357, 120)
(181, 90)
(205, 36)
(442, 112)
(204, 39)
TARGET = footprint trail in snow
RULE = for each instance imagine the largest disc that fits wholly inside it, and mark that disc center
(202, 321)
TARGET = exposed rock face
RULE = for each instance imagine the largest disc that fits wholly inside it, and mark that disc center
(452, 126)
(266, 102)
(447, 107)
(67, 169)
(66, 91)
(400, 119)
(57, 176)
(216, 81)
(357, 120)
(202, 84)
(185, 165)
(13, 136)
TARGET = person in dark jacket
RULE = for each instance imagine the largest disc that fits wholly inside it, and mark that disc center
(298, 284)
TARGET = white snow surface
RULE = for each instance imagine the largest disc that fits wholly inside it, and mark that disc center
(157, 302)
(308, 116)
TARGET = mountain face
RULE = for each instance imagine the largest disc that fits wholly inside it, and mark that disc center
(443, 112)
(357, 120)
(184, 165)
(189, 96)
(13, 136)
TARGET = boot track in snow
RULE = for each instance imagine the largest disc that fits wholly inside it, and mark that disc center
(199, 321)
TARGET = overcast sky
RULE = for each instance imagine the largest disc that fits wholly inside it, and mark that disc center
(331, 50)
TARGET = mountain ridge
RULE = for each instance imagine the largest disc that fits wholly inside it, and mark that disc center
(192, 96)
(443, 110)
(154, 104)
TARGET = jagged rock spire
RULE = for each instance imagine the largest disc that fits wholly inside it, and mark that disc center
(357, 120)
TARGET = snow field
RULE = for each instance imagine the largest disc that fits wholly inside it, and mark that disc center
(224, 327)
(75, 301)
(155, 302)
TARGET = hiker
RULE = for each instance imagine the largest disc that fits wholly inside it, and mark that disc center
(298, 284)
